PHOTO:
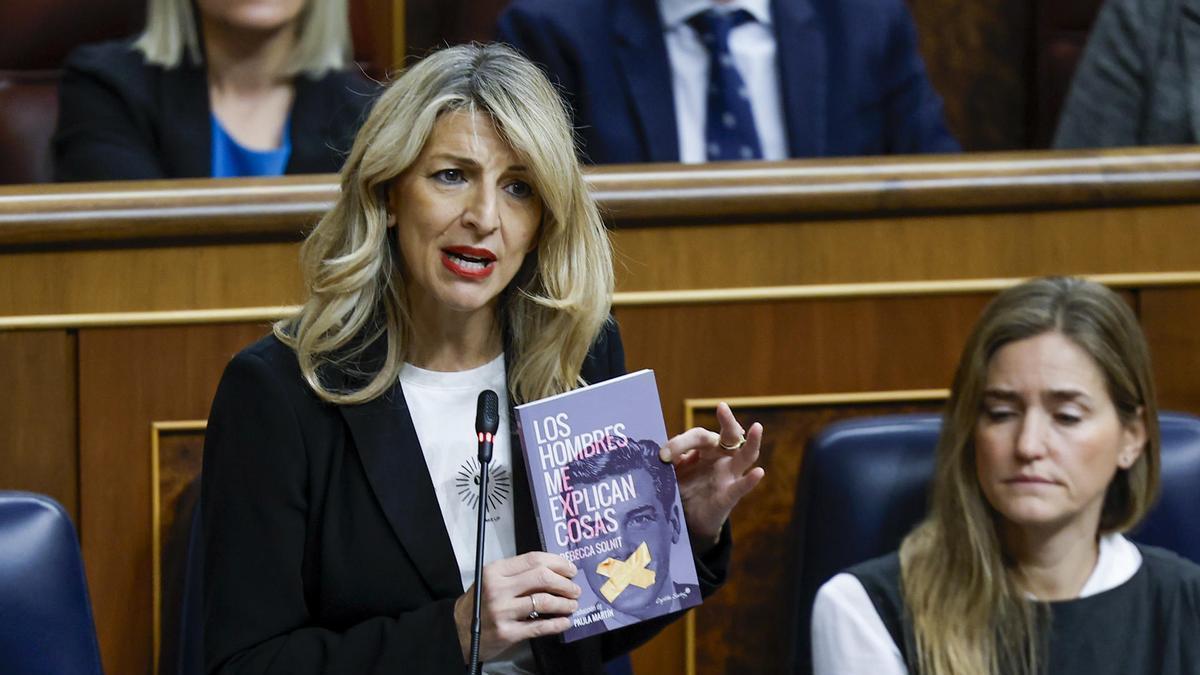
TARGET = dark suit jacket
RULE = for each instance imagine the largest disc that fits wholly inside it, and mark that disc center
(853, 82)
(325, 549)
(1138, 82)
(123, 119)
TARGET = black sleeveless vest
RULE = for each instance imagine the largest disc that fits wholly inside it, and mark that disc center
(1149, 625)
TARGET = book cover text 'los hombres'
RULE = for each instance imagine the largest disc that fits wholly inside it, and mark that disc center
(606, 502)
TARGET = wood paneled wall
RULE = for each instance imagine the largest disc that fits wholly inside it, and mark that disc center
(120, 304)
(38, 419)
(130, 378)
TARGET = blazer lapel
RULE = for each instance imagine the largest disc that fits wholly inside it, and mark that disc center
(803, 75)
(308, 127)
(1190, 35)
(387, 443)
(642, 55)
(186, 122)
(525, 520)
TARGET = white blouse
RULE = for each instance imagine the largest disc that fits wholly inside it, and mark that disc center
(442, 406)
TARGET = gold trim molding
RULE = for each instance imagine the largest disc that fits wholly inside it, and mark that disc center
(691, 296)
(156, 430)
(153, 318)
(879, 289)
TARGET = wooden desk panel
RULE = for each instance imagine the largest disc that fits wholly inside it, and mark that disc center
(737, 280)
(794, 347)
(1171, 319)
(149, 279)
(878, 250)
(130, 378)
(38, 428)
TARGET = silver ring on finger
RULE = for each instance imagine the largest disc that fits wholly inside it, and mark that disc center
(533, 614)
(736, 445)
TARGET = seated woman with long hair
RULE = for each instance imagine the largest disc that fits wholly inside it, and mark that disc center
(1049, 451)
(463, 253)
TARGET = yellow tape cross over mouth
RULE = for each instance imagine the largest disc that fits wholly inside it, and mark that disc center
(622, 573)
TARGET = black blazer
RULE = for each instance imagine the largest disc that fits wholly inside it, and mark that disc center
(325, 549)
(121, 118)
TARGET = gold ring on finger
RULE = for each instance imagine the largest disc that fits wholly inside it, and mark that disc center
(733, 446)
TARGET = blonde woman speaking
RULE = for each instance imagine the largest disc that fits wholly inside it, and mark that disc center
(463, 253)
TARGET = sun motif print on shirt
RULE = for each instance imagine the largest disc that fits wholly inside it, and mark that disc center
(466, 482)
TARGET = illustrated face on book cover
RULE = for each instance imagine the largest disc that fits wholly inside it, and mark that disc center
(638, 571)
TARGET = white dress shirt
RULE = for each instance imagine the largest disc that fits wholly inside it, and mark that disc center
(849, 638)
(753, 48)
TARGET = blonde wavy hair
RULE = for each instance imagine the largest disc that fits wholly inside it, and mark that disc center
(970, 616)
(555, 306)
(322, 39)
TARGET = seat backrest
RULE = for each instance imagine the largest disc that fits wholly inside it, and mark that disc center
(35, 37)
(46, 624)
(864, 485)
(1174, 522)
(28, 110)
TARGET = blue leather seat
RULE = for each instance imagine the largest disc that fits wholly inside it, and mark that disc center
(46, 625)
(864, 485)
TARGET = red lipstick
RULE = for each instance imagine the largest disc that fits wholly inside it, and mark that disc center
(469, 262)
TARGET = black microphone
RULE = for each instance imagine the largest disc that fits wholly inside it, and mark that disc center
(487, 421)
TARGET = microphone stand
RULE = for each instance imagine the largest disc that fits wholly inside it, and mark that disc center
(479, 531)
(487, 421)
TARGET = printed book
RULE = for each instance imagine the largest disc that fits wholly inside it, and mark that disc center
(606, 502)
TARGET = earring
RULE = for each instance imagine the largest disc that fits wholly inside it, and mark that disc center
(391, 218)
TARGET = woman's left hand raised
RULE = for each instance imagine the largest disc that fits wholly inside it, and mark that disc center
(713, 478)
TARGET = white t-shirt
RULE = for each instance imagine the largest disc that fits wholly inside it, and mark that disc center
(442, 405)
(752, 46)
(849, 638)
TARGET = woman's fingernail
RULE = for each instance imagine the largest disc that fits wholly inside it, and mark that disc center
(664, 454)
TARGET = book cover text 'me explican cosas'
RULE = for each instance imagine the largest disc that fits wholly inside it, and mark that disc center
(606, 502)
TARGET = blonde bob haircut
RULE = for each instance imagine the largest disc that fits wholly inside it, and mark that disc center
(322, 40)
(555, 306)
(970, 616)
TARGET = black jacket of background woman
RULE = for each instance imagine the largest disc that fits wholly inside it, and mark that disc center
(121, 118)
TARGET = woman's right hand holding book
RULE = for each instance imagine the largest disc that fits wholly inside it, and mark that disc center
(527, 596)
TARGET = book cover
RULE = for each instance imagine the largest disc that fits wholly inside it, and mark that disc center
(606, 502)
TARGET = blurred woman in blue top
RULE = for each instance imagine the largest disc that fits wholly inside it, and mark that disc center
(213, 88)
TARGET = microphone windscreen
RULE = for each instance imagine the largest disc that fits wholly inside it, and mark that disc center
(487, 412)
